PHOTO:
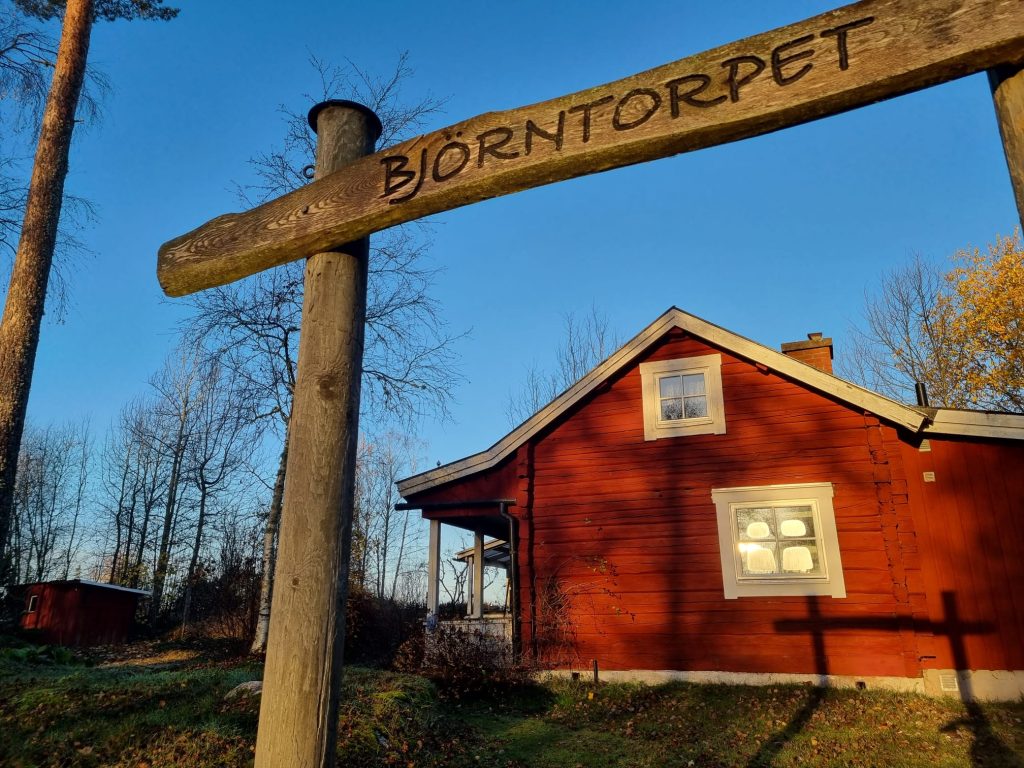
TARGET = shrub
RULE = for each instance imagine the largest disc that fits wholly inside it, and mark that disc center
(464, 662)
(45, 654)
(376, 628)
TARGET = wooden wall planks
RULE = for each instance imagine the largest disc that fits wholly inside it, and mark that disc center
(628, 529)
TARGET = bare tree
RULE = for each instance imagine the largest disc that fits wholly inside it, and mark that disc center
(40, 478)
(50, 491)
(132, 489)
(215, 453)
(119, 492)
(27, 54)
(283, 169)
(80, 458)
(179, 389)
(390, 540)
(453, 584)
(408, 359)
(587, 341)
(907, 339)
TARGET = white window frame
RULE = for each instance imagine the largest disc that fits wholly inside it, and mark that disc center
(33, 603)
(816, 495)
(652, 373)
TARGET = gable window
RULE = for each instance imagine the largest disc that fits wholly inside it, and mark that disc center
(683, 397)
(778, 540)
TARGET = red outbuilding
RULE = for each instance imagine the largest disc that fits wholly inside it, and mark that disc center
(702, 507)
(79, 612)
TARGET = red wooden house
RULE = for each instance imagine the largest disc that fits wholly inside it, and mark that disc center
(702, 507)
(79, 612)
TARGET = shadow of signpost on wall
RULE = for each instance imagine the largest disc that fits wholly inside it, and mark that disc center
(986, 748)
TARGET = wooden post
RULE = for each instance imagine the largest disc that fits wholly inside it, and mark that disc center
(433, 566)
(478, 575)
(1008, 94)
(298, 714)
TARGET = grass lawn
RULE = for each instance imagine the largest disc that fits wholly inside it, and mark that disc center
(168, 709)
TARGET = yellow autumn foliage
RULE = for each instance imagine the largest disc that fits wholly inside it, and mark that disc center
(983, 307)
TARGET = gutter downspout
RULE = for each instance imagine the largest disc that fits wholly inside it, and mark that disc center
(513, 575)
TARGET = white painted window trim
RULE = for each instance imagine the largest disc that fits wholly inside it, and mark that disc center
(712, 424)
(819, 497)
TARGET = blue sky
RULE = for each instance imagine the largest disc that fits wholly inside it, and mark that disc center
(771, 237)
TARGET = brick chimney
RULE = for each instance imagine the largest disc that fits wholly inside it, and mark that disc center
(815, 351)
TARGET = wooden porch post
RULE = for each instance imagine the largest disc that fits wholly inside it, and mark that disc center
(478, 576)
(433, 566)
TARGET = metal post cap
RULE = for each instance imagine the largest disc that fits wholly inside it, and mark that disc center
(374, 122)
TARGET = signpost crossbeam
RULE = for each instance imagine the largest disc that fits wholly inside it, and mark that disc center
(840, 60)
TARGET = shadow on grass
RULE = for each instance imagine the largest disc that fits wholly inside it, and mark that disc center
(987, 748)
(766, 755)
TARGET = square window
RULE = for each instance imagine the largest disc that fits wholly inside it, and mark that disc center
(776, 541)
(683, 397)
(779, 540)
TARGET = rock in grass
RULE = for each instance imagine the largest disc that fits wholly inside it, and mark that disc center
(251, 688)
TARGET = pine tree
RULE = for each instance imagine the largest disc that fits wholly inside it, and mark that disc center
(26, 294)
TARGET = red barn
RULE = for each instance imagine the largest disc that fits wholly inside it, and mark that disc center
(79, 612)
(702, 507)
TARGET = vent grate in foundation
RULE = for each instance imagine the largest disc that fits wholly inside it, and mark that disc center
(948, 682)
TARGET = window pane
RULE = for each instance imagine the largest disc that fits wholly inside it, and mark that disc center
(696, 407)
(693, 384)
(796, 522)
(671, 386)
(800, 557)
(755, 524)
(671, 409)
(759, 559)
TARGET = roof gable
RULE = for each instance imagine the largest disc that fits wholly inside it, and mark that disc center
(913, 419)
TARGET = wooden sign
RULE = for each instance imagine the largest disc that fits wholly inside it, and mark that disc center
(840, 60)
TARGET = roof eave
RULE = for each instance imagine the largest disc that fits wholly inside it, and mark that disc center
(957, 423)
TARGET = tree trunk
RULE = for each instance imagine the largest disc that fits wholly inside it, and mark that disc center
(164, 553)
(129, 528)
(149, 499)
(133, 577)
(259, 641)
(190, 578)
(112, 579)
(72, 549)
(401, 553)
(26, 295)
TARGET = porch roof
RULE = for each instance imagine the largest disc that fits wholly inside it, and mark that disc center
(496, 552)
(477, 515)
